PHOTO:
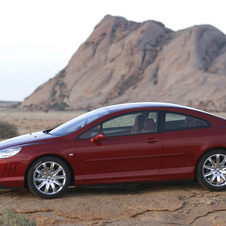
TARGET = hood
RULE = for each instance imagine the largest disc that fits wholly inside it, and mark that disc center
(28, 139)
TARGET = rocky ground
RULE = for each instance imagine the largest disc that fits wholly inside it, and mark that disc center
(165, 203)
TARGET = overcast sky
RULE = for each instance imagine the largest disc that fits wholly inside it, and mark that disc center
(38, 38)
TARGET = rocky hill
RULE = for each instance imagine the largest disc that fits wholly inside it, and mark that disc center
(124, 61)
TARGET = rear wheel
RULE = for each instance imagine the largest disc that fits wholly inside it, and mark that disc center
(211, 171)
(48, 177)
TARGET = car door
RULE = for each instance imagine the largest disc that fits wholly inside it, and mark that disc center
(183, 138)
(121, 156)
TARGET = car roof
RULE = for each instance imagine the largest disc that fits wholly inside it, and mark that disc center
(127, 106)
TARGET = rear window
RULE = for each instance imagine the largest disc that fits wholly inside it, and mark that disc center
(176, 121)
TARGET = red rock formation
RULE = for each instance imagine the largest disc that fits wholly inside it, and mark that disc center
(125, 61)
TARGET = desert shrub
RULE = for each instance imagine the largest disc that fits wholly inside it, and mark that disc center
(9, 218)
(62, 73)
(59, 106)
(7, 130)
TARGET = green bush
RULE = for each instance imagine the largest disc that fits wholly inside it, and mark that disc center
(9, 218)
(7, 130)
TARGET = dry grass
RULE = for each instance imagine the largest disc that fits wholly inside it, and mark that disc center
(33, 121)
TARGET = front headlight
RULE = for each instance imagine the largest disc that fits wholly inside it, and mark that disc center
(9, 152)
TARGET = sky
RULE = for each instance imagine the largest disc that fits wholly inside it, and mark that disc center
(38, 38)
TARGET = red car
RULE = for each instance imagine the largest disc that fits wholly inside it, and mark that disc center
(119, 144)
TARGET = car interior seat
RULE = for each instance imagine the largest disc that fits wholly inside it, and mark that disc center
(149, 126)
(139, 124)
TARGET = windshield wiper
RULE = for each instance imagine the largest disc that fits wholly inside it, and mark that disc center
(47, 131)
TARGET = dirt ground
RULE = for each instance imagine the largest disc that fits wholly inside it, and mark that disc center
(162, 203)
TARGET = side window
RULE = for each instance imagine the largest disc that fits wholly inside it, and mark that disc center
(123, 124)
(126, 124)
(175, 121)
(132, 123)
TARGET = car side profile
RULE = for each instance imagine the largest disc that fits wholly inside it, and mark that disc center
(135, 142)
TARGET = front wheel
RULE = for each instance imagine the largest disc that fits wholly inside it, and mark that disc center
(211, 171)
(48, 177)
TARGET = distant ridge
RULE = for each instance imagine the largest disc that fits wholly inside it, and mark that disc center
(5, 104)
(124, 61)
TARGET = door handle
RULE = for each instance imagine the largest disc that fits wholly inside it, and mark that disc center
(152, 140)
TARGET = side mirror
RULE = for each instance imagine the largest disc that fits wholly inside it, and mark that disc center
(97, 138)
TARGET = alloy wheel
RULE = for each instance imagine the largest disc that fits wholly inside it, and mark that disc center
(214, 170)
(49, 177)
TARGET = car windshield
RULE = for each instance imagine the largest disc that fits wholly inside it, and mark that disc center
(79, 122)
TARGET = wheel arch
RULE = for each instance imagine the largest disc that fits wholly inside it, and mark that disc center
(72, 183)
(200, 157)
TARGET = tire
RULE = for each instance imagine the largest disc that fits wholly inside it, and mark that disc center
(48, 177)
(211, 170)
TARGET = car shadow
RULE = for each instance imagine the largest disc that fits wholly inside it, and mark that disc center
(133, 188)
